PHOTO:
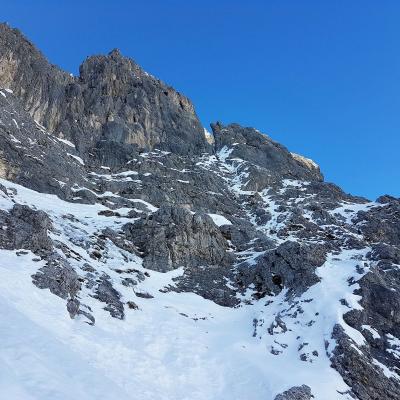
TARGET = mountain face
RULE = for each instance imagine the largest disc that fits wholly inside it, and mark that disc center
(145, 258)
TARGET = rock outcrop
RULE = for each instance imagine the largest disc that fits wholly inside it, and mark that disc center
(296, 393)
(113, 100)
(131, 201)
(173, 237)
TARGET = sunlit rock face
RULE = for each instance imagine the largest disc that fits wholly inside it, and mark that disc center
(112, 100)
(148, 258)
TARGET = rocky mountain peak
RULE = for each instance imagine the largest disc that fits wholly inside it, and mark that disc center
(125, 225)
(260, 150)
(113, 66)
(116, 53)
(113, 99)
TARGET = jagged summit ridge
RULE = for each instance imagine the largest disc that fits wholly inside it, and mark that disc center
(262, 151)
(112, 100)
(113, 105)
(147, 262)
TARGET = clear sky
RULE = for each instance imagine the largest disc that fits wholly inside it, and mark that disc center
(321, 77)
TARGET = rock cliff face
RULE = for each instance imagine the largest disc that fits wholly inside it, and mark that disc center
(218, 265)
(113, 100)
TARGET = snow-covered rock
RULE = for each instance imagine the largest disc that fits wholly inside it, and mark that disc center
(142, 257)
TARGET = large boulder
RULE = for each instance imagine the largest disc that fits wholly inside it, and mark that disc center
(59, 277)
(291, 265)
(173, 237)
(302, 392)
(24, 228)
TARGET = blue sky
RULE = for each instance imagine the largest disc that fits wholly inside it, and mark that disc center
(321, 77)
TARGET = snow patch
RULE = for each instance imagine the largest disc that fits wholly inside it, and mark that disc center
(67, 142)
(220, 220)
(209, 136)
(80, 161)
(373, 332)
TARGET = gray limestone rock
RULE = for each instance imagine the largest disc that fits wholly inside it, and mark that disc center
(173, 237)
(120, 138)
(112, 100)
(252, 146)
(24, 228)
(58, 276)
(106, 293)
(290, 265)
(302, 392)
(380, 224)
(363, 376)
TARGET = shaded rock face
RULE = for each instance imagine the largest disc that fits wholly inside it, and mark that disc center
(129, 106)
(382, 225)
(112, 100)
(291, 265)
(107, 294)
(59, 277)
(248, 224)
(243, 236)
(296, 393)
(24, 228)
(380, 302)
(360, 373)
(38, 84)
(260, 150)
(29, 155)
(172, 237)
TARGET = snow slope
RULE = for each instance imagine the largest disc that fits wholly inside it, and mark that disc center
(175, 346)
